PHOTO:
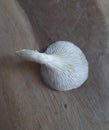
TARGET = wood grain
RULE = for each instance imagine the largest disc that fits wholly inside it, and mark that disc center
(26, 103)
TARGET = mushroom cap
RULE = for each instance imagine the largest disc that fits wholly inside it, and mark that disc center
(71, 69)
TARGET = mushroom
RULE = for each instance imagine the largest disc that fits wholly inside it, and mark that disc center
(63, 65)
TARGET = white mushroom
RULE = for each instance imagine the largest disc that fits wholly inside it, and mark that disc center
(63, 65)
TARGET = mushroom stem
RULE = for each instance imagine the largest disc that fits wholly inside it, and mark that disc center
(32, 55)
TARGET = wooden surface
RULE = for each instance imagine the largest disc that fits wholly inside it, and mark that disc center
(25, 102)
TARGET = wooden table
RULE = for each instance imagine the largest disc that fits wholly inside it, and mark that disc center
(26, 103)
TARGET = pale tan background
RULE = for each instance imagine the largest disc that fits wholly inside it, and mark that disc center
(25, 102)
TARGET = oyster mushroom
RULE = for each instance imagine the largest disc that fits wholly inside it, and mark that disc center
(63, 65)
